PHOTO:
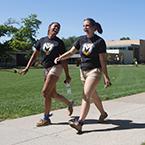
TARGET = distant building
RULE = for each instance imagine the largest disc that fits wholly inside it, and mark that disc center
(13, 59)
(118, 52)
(126, 51)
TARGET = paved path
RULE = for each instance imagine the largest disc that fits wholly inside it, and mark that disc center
(125, 126)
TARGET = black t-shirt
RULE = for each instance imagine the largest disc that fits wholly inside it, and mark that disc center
(89, 49)
(50, 49)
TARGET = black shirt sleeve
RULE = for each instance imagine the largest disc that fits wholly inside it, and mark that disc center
(102, 46)
(77, 44)
(37, 45)
(62, 46)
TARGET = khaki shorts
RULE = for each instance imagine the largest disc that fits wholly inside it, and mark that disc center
(94, 73)
(56, 70)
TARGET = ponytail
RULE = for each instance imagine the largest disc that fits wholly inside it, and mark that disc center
(99, 28)
(95, 24)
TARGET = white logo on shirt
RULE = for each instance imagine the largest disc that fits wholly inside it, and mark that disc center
(87, 48)
(47, 47)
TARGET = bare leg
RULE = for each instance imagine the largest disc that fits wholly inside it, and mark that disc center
(85, 106)
(60, 97)
(47, 91)
(89, 88)
(47, 105)
(98, 103)
(64, 100)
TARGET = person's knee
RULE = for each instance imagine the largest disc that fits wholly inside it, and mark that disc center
(46, 94)
(86, 98)
(54, 95)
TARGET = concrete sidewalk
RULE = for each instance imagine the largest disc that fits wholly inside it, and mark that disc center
(125, 126)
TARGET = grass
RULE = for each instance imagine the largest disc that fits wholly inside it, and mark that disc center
(20, 95)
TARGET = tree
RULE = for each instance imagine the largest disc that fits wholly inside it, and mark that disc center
(6, 31)
(125, 38)
(25, 37)
(19, 36)
(69, 41)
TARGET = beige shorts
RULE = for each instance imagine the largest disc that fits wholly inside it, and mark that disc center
(55, 70)
(94, 73)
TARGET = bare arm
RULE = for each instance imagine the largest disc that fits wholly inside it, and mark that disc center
(102, 57)
(66, 70)
(63, 58)
(66, 55)
(30, 62)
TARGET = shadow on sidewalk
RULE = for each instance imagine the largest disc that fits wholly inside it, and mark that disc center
(119, 125)
(60, 123)
(1, 120)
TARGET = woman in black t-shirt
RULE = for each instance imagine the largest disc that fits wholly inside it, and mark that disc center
(50, 47)
(92, 49)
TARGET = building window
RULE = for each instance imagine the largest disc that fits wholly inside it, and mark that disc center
(130, 48)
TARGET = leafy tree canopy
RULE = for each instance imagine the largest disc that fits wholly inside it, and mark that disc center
(69, 41)
(125, 38)
(22, 35)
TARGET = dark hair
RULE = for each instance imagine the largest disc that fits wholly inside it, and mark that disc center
(96, 24)
(52, 24)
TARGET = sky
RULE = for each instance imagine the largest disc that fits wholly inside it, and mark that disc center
(118, 18)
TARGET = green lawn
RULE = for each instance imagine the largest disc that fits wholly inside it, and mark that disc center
(20, 95)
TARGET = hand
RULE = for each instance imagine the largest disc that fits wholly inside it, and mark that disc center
(23, 71)
(107, 82)
(67, 80)
(57, 60)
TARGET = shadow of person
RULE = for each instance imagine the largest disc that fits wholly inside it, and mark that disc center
(1, 120)
(65, 123)
(60, 123)
(125, 124)
(119, 125)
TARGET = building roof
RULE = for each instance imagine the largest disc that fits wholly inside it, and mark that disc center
(122, 43)
(75, 56)
(115, 51)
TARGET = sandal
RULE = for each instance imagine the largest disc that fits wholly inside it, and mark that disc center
(102, 117)
(76, 125)
(43, 122)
